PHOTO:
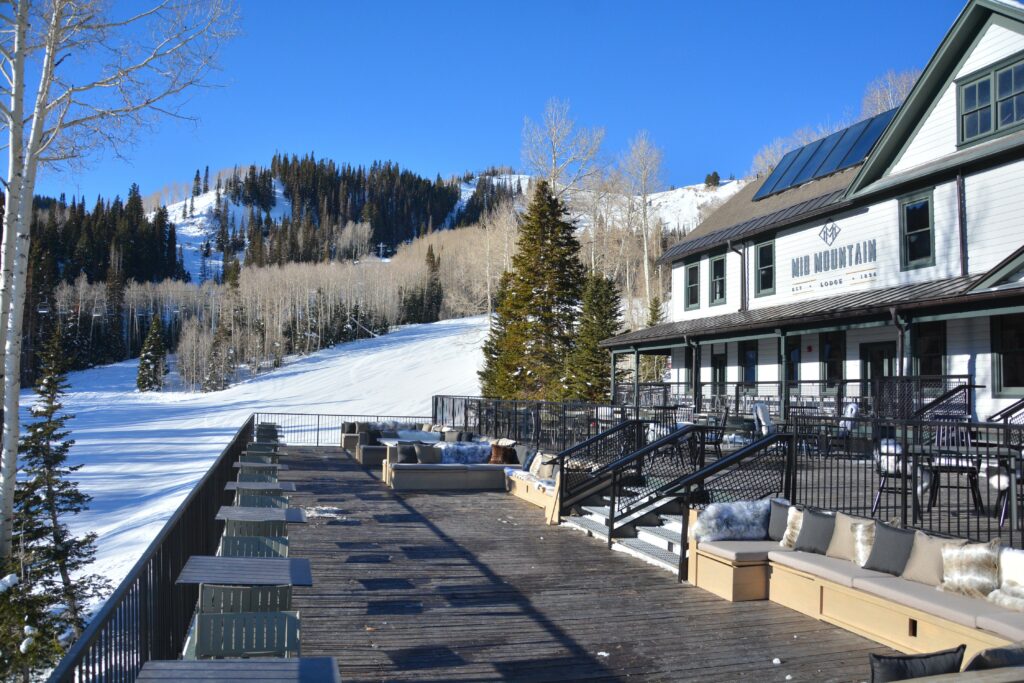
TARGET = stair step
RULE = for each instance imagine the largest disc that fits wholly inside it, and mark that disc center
(673, 523)
(597, 512)
(648, 553)
(659, 536)
(587, 526)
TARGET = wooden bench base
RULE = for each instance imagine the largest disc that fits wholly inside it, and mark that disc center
(733, 581)
(531, 492)
(901, 628)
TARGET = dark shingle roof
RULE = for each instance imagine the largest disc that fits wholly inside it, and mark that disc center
(741, 217)
(866, 303)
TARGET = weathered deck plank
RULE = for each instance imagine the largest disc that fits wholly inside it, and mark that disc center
(475, 587)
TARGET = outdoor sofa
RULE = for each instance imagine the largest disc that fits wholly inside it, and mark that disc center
(897, 598)
(458, 462)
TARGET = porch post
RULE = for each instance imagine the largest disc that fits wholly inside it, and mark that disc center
(613, 377)
(636, 380)
(695, 378)
(783, 377)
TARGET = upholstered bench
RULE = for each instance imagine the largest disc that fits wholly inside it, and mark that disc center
(734, 570)
(441, 477)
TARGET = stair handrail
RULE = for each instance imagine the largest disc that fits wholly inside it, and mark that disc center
(651, 447)
(568, 487)
(937, 402)
(1009, 414)
(672, 489)
(560, 457)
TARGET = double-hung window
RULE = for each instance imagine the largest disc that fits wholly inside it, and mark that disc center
(716, 292)
(764, 262)
(917, 232)
(747, 352)
(992, 101)
(692, 294)
(1008, 354)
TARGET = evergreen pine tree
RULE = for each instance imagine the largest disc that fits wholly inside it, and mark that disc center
(52, 596)
(196, 184)
(206, 180)
(711, 180)
(191, 207)
(652, 368)
(115, 347)
(152, 359)
(538, 301)
(587, 366)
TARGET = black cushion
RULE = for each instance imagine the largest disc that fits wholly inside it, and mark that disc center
(348, 427)
(466, 436)
(886, 668)
(373, 437)
(777, 520)
(815, 532)
(997, 658)
(891, 550)
(360, 427)
(407, 454)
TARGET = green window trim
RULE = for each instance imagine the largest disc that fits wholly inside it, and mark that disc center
(762, 269)
(691, 283)
(716, 295)
(908, 231)
(990, 102)
(1000, 389)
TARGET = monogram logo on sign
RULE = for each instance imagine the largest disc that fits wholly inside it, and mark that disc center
(829, 233)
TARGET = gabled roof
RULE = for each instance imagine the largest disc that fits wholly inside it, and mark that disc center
(1006, 274)
(935, 78)
(741, 217)
(867, 304)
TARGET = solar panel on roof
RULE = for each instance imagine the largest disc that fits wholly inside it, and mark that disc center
(773, 179)
(871, 134)
(820, 158)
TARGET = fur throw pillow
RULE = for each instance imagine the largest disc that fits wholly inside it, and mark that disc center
(794, 521)
(863, 541)
(741, 521)
(972, 569)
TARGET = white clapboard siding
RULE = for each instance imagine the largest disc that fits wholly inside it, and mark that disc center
(768, 360)
(995, 207)
(937, 135)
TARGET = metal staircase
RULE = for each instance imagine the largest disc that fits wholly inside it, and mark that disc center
(644, 511)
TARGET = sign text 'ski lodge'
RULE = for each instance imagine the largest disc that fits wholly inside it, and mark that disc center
(840, 264)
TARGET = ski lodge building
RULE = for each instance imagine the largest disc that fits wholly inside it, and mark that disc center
(881, 265)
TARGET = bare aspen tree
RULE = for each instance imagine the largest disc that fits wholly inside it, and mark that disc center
(642, 168)
(556, 149)
(887, 91)
(77, 80)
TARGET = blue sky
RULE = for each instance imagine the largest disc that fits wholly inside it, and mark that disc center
(442, 87)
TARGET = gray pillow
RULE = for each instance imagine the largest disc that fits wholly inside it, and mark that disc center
(406, 454)
(885, 668)
(891, 550)
(815, 532)
(997, 658)
(427, 455)
(777, 519)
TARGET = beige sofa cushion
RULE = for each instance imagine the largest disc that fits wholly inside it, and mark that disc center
(831, 569)
(740, 551)
(841, 545)
(951, 606)
(925, 562)
(1009, 625)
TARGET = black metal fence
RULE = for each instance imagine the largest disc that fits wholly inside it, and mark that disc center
(304, 429)
(581, 465)
(949, 477)
(550, 426)
(147, 615)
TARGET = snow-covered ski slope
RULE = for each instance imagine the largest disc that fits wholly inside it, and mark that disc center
(142, 453)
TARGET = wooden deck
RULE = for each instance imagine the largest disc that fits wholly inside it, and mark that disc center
(459, 587)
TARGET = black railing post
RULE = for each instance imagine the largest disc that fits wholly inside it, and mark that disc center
(906, 454)
(683, 573)
(789, 478)
(611, 505)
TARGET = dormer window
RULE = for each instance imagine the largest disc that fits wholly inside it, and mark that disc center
(992, 102)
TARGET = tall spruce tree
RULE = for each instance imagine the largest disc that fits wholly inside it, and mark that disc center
(538, 303)
(53, 594)
(197, 184)
(153, 358)
(588, 366)
(653, 368)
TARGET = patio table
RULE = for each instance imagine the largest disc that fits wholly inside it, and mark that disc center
(280, 486)
(260, 465)
(246, 571)
(237, 513)
(255, 670)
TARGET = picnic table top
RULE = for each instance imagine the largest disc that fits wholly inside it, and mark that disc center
(240, 513)
(283, 486)
(247, 571)
(256, 670)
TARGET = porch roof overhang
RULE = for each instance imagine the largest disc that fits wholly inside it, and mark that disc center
(875, 305)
